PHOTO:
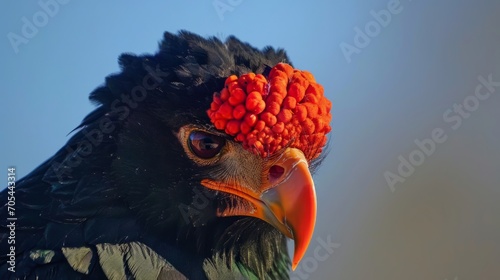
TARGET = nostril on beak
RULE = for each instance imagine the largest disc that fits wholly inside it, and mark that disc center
(275, 172)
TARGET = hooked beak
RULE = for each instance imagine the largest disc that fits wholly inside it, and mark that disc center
(286, 200)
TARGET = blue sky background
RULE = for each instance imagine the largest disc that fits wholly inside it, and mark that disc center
(440, 223)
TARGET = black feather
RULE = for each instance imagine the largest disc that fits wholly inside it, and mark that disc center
(123, 177)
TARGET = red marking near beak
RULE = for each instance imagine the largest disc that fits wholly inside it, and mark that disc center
(287, 200)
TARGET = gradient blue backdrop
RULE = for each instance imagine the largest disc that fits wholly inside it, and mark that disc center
(441, 223)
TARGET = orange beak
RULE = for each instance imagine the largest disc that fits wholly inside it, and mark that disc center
(286, 200)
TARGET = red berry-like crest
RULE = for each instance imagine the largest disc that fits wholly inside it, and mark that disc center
(288, 109)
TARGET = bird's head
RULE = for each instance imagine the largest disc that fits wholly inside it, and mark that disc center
(214, 144)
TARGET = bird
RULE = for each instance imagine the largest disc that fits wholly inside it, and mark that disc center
(196, 163)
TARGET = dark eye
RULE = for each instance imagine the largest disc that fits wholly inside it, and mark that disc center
(205, 145)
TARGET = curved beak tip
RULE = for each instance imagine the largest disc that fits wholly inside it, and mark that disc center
(304, 226)
(294, 205)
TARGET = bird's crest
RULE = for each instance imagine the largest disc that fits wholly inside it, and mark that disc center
(286, 109)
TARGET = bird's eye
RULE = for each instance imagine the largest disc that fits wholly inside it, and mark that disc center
(205, 145)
